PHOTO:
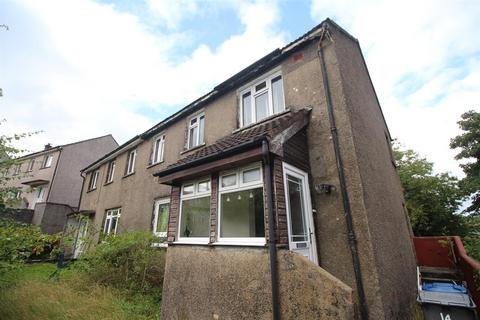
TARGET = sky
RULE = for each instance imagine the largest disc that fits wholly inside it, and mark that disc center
(78, 69)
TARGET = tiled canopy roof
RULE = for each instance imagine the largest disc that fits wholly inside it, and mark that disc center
(270, 129)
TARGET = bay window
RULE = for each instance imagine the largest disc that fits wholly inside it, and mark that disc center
(160, 217)
(194, 224)
(241, 207)
(262, 99)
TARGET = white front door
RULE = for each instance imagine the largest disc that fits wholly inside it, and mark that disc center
(301, 233)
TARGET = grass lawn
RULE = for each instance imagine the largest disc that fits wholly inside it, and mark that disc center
(27, 292)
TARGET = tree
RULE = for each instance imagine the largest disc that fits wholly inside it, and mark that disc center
(432, 200)
(469, 142)
(8, 159)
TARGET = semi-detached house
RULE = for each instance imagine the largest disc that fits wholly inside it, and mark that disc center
(276, 192)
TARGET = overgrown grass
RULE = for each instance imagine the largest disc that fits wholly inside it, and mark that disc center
(28, 293)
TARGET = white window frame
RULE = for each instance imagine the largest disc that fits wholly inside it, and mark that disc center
(47, 162)
(18, 166)
(31, 163)
(92, 185)
(195, 195)
(158, 149)
(40, 194)
(131, 164)
(110, 171)
(268, 88)
(157, 205)
(239, 186)
(201, 134)
(109, 215)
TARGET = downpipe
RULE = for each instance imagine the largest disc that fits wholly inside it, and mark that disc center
(271, 231)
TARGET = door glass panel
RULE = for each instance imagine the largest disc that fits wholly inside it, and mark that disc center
(261, 106)
(298, 225)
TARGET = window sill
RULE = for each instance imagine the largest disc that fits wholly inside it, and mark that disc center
(45, 167)
(195, 242)
(128, 175)
(90, 190)
(107, 183)
(159, 245)
(240, 243)
(155, 164)
(194, 148)
(251, 125)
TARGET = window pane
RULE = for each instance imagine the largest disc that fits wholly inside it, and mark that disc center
(247, 108)
(242, 214)
(201, 129)
(188, 189)
(260, 86)
(297, 215)
(193, 137)
(162, 219)
(277, 95)
(229, 180)
(261, 106)
(204, 186)
(193, 121)
(195, 217)
(113, 225)
(251, 175)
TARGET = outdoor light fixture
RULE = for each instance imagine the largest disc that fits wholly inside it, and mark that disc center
(324, 188)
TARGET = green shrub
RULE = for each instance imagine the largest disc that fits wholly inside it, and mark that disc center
(129, 261)
(19, 242)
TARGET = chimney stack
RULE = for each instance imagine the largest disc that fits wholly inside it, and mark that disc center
(48, 146)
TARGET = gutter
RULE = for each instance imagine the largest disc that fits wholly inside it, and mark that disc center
(272, 247)
(351, 237)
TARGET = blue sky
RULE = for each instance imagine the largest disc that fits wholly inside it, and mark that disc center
(82, 68)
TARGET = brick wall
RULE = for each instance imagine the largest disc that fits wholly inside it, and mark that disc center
(173, 216)
(213, 208)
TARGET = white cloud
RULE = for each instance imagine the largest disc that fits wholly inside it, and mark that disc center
(84, 69)
(431, 51)
(172, 12)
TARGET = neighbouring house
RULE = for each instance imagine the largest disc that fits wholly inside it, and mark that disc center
(49, 181)
(276, 192)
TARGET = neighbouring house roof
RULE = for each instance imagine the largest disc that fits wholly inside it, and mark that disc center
(276, 130)
(56, 148)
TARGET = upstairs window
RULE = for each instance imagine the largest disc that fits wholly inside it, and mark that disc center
(196, 127)
(31, 163)
(132, 155)
(110, 171)
(262, 99)
(194, 224)
(93, 180)
(47, 161)
(17, 169)
(158, 148)
(241, 208)
(111, 221)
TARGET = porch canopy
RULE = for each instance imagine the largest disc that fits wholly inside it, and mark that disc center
(35, 182)
(242, 146)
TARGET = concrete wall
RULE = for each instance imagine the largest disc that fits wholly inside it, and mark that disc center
(234, 283)
(51, 216)
(20, 215)
(67, 183)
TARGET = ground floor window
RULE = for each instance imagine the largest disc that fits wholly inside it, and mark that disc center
(111, 221)
(160, 218)
(195, 211)
(241, 206)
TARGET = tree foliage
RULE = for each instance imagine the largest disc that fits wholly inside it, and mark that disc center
(469, 143)
(433, 200)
